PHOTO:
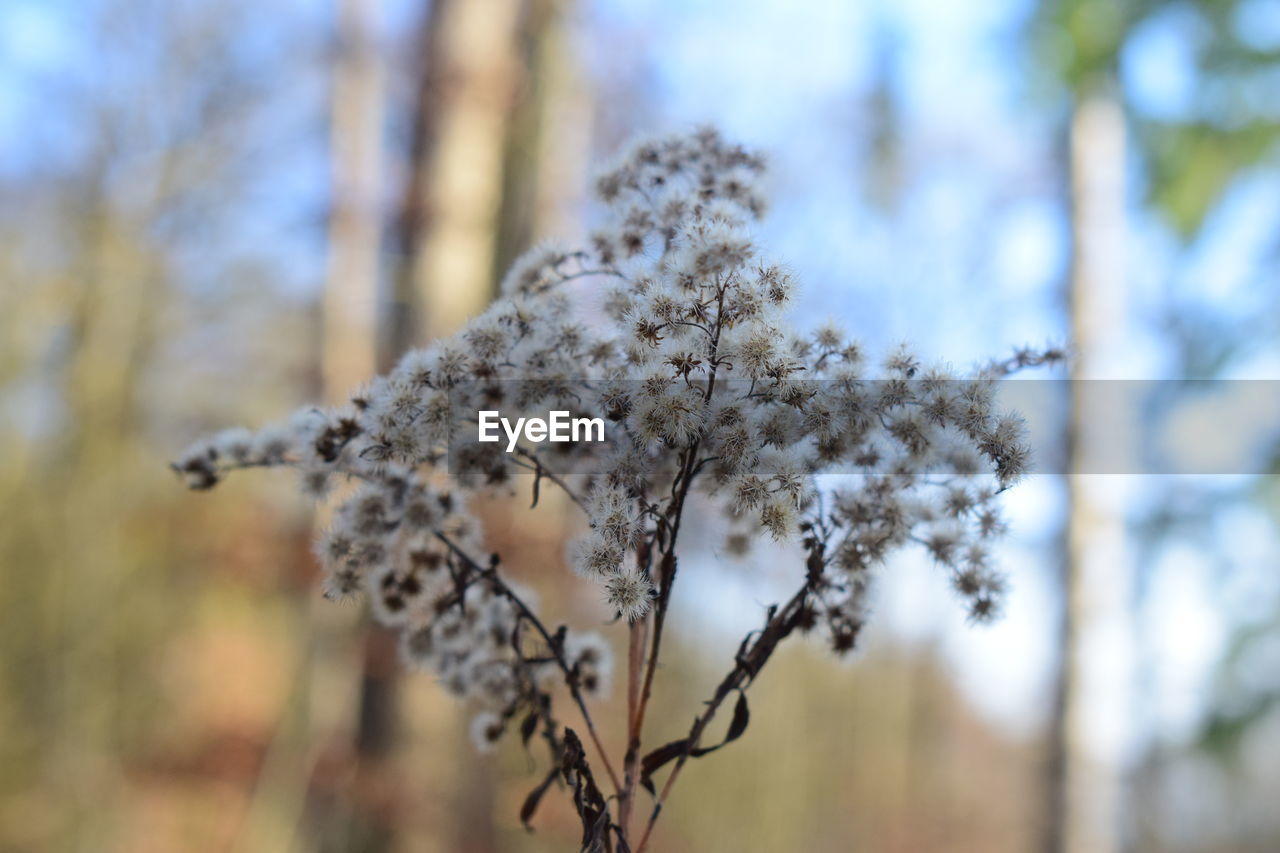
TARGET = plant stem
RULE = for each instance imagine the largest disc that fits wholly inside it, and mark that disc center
(675, 513)
(638, 632)
(746, 665)
(570, 679)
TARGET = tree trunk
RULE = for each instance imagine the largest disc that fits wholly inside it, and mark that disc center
(444, 241)
(351, 291)
(446, 232)
(1086, 735)
(349, 357)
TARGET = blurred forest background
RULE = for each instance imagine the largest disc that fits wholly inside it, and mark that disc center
(214, 211)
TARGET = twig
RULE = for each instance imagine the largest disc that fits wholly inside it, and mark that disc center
(541, 470)
(638, 633)
(675, 513)
(746, 666)
(491, 574)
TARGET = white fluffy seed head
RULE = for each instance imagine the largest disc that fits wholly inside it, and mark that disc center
(487, 729)
(676, 321)
(593, 557)
(589, 654)
(629, 593)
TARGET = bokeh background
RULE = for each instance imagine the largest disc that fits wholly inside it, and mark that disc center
(214, 211)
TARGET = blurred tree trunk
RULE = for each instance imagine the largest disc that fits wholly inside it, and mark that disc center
(1083, 786)
(347, 354)
(349, 357)
(493, 144)
(351, 290)
(444, 240)
(446, 232)
(549, 137)
(115, 300)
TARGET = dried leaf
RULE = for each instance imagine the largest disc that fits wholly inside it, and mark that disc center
(535, 796)
(587, 799)
(528, 726)
(741, 716)
(737, 726)
(655, 760)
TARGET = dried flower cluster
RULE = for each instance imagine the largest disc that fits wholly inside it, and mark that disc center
(669, 325)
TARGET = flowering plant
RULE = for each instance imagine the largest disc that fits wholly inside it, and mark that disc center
(669, 328)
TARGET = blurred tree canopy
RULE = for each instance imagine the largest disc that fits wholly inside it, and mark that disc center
(123, 210)
(1227, 121)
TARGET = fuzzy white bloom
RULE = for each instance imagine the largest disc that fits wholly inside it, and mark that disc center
(590, 655)
(487, 729)
(670, 327)
(616, 518)
(778, 517)
(629, 593)
(594, 557)
(394, 595)
(235, 444)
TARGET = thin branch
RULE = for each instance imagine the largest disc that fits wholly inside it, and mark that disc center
(684, 480)
(747, 665)
(540, 468)
(638, 632)
(491, 574)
